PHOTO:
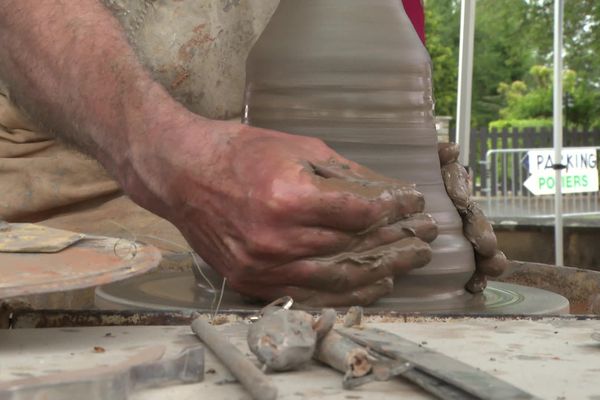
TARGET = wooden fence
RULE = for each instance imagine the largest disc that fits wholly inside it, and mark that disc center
(483, 140)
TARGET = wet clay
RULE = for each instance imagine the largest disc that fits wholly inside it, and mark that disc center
(448, 153)
(320, 69)
(353, 317)
(283, 339)
(479, 231)
(492, 266)
(477, 283)
(456, 180)
(489, 260)
(325, 322)
(343, 355)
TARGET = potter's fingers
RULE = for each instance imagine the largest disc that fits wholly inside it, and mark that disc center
(273, 247)
(358, 207)
(318, 242)
(334, 169)
(448, 153)
(477, 283)
(456, 181)
(297, 242)
(479, 231)
(492, 266)
(309, 242)
(348, 170)
(362, 296)
(349, 270)
(356, 174)
(422, 226)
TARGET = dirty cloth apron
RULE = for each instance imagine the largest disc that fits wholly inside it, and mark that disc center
(197, 51)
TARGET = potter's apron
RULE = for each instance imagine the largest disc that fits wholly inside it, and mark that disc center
(197, 50)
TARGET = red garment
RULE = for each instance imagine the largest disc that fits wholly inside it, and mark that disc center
(414, 10)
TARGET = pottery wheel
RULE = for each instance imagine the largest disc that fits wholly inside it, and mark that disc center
(90, 262)
(180, 291)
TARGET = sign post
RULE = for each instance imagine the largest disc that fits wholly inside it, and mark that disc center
(465, 78)
(558, 130)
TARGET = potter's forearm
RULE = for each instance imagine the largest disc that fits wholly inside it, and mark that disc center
(68, 64)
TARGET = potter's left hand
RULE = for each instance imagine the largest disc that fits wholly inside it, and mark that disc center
(477, 229)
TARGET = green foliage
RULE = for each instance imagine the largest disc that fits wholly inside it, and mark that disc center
(501, 53)
(581, 36)
(513, 44)
(520, 123)
(441, 17)
(532, 103)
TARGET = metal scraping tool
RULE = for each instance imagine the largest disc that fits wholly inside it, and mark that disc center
(438, 374)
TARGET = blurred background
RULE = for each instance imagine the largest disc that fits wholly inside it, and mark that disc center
(512, 114)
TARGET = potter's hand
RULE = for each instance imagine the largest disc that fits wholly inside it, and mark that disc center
(477, 229)
(259, 206)
(279, 214)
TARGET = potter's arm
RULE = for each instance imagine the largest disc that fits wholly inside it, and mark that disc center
(477, 229)
(275, 214)
(70, 67)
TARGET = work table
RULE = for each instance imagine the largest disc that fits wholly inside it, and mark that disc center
(550, 357)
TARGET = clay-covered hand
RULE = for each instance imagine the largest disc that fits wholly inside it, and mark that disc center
(280, 214)
(477, 229)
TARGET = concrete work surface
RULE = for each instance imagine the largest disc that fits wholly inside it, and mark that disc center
(552, 357)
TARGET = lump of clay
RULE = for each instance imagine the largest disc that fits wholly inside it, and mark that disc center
(353, 317)
(283, 339)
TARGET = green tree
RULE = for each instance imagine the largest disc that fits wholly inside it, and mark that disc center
(502, 53)
(581, 36)
(511, 36)
(441, 28)
(531, 100)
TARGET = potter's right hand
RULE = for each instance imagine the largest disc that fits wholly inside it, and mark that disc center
(280, 214)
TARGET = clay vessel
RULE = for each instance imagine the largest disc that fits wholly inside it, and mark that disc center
(355, 73)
